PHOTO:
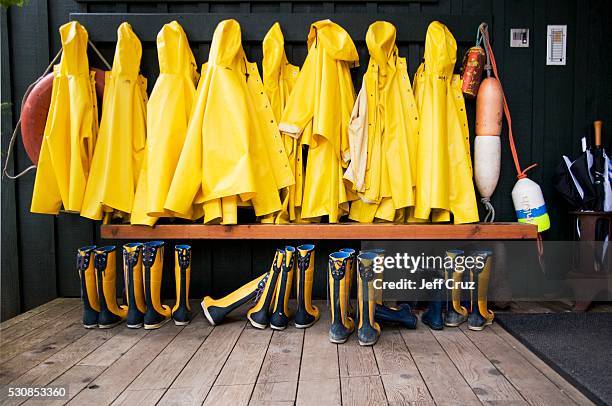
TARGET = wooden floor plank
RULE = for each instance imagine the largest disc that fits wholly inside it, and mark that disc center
(34, 312)
(363, 390)
(282, 361)
(536, 388)
(115, 348)
(355, 359)
(551, 374)
(25, 336)
(54, 366)
(27, 360)
(444, 382)
(153, 381)
(76, 379)
(195, 380)
(234, 395)
(319, 356)
(145, 397)
(401, 378)
(323, 392)
(109, 385)
(485, 380)
(274, 393)
(244, 363)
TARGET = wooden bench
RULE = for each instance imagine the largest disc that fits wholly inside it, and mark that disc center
(345, 231)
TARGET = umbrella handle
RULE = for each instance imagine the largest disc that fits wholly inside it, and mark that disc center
(597, 125)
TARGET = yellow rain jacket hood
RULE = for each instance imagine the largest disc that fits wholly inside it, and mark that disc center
(383, 133)
(444, 171)
(168, 113)
(233, 151)
(279, 78)
(318, 110)
(122, 136)
(71, 129)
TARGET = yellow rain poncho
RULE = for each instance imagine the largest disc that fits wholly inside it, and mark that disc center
(444, 170)
(122, 136)
(233, 151)
(322, 100)
(279, 77)
(168, 113)
(71, 128)
(383, 133)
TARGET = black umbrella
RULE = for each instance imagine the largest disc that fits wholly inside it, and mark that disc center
(598, 169)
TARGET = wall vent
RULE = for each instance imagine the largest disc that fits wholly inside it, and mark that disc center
(556, 46)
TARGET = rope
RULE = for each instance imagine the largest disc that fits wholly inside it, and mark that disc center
(490, 217)
(11, 145)
(521, 173)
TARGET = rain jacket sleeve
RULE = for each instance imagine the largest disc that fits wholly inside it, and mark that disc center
(297, 113)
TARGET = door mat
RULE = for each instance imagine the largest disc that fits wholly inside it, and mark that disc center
(576, 345)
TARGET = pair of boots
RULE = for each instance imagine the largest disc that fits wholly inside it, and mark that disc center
(142, 265)
(271, 293)
(342, 266)
(476, 311)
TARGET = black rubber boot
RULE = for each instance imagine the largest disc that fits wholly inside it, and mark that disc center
(132, 271)
(181, 312)
(89, 291)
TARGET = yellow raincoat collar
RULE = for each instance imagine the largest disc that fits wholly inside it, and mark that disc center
(274, 57)
(128, 52)
(226, 47)
(174, 53)
(440, 50)
(380, 40)
(335, 40)
(74, 49)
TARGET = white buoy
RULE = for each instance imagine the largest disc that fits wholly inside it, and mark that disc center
(529, 204)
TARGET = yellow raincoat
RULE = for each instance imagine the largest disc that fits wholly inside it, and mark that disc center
(444, 171)
(121, 139)
(279, 77)
(322, 100)
(71, 128)
(385, 121)
(233, 151)
(168, 113)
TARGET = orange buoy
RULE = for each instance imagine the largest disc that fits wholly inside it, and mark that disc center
(487, 144)
(35, 109)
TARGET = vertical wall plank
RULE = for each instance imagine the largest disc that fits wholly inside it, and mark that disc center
(29, 57)
(9, 283)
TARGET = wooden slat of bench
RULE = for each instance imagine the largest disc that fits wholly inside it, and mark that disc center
(482, 376)
(349, 231)
(534, 386)
(443, 380)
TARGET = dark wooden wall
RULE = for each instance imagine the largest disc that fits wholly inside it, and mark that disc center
(551, 107)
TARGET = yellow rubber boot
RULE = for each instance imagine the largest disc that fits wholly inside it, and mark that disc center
(456, 313)
(350, 269)
(306, 314)
(89, 292)
(480, 315)
(134, 289)
(152, 265)
(259, 315)
(280, 312)
(216, 310)
(342, 324)
(181, 312)
(111, 314)
(368, 330)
